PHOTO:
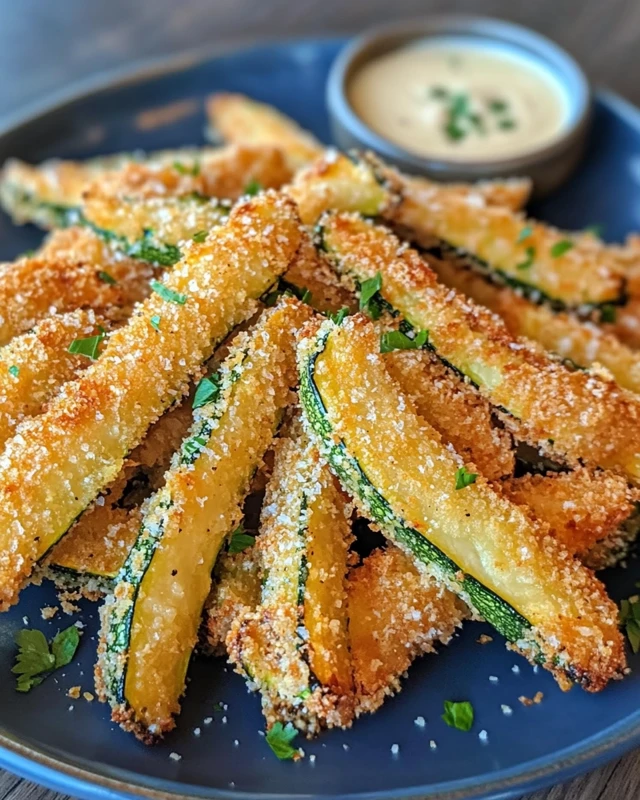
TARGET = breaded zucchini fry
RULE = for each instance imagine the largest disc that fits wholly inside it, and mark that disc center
(78, 446)
(34, 366)
(150, 625)
(45, 193)
(92, 553)
(576, 416)
(582, 343)
(502, 563)
(396, 613)
(294, 647)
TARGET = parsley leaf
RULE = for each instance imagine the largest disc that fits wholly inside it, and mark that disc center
(530, 253)
(338, 316)
(87, 347)
(106, 278)
(560, 248)
(630, 619)
(207, 391)
(64, 646)
(608, 313)
(368, 301)
(199, 236)
(183, 169)
(166, 255)
(13, 370)
(155, 321)
(525, 233)
(497, 106)
(279, 739)
(507, 124)
(464, 478)
(397, 340)
(253, 188)
(168, 294)
(35, 659)
(240, 540)
(458, 715)
(193, 446)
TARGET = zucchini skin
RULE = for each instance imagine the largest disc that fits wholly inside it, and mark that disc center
(89, 428)
(551, 640)
(144, 656)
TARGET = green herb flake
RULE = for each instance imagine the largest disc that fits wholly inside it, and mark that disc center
(106, 278)
(155, 321)
(279, 739)
(253, 188)
(36, 659)
(168, 294)
(630, 620)
(525, 233)
(439, 93)
(560, 248)
(530, 254)
(184, 169)
(13, 370)
(240, 540)
(306, 297)
(88, 347)
(368, 291)
(397, 340)
(497, 106)
(608, 313)
(458, 715)
(199, 236)
(338, 316)
(207, 391)
(507, 124)
(192, 447)
(464, 478)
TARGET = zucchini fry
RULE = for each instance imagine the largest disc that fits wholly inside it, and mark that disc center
(503, 564)
(144, 654)
(91, 554)
(237, 118)
(34, 366)
(78, 446)
(582, 343)
(576, 416)
(45, 193)
(396, 613)
(294, 647)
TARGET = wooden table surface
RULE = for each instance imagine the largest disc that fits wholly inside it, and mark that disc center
(45, 45)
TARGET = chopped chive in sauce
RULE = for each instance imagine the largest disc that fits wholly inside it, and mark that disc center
(13, 370)
(560, 248)
(507, 124)
(497, 106)
(106, 278)
(458, 715)
(530, 253)
(464, 478)
(168, 294)
(439, 92)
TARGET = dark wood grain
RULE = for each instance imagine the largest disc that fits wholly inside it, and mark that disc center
(45, 45)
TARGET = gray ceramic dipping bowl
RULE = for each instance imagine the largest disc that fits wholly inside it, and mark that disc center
(548, 166)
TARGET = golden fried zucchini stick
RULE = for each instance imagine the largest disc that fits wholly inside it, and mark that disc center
(34, 366)
(45, 193)
(396, 613)
(143, 654)
(582, 343)
(576, 416)
(237, 118)
(483, 547)
(294, 647)
(78, 446)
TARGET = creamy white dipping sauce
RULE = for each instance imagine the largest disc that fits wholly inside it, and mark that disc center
(459, 100)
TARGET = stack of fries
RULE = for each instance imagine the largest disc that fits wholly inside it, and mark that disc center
(271, 322)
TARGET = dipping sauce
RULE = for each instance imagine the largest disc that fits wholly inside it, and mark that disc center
(459, 100)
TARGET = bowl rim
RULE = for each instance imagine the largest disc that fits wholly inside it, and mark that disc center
(488, 28)
(96, 781)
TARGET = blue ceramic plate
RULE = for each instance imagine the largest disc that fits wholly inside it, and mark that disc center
(73, 747)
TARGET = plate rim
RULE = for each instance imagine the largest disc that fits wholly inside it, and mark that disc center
(61, 774)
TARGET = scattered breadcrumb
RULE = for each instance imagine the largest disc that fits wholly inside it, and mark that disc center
(432, 744)
(484, 639)
(420, 722)
(74, 692)
(88, 697)
(49, 612)
(483, 736)
(395, 749)
(175, 756)
(506, 710)
(527, 701)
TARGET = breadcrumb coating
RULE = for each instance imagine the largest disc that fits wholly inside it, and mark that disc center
(34, 366)
(62, 459)
(396, 613)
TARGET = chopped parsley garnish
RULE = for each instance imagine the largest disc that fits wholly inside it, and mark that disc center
(168, 294)
(106, 278)
(253, 188)
(507, 124)
(13, 370)
(306, 296)
(439, 92)
(279, 739)
(88, 347)
(155, 321)
(207, 391)
(530, 254)
(36, 659)
(397, 340)
(338, 316)
(464, 478)
(369, 302)
(497, 106)
(608, 313)
(560, 248)
(146, 249)
(199, 236)
(525, 233)
(194, 445)
(240, 540)
(630, 619)
(183, 169)
(458, 715)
